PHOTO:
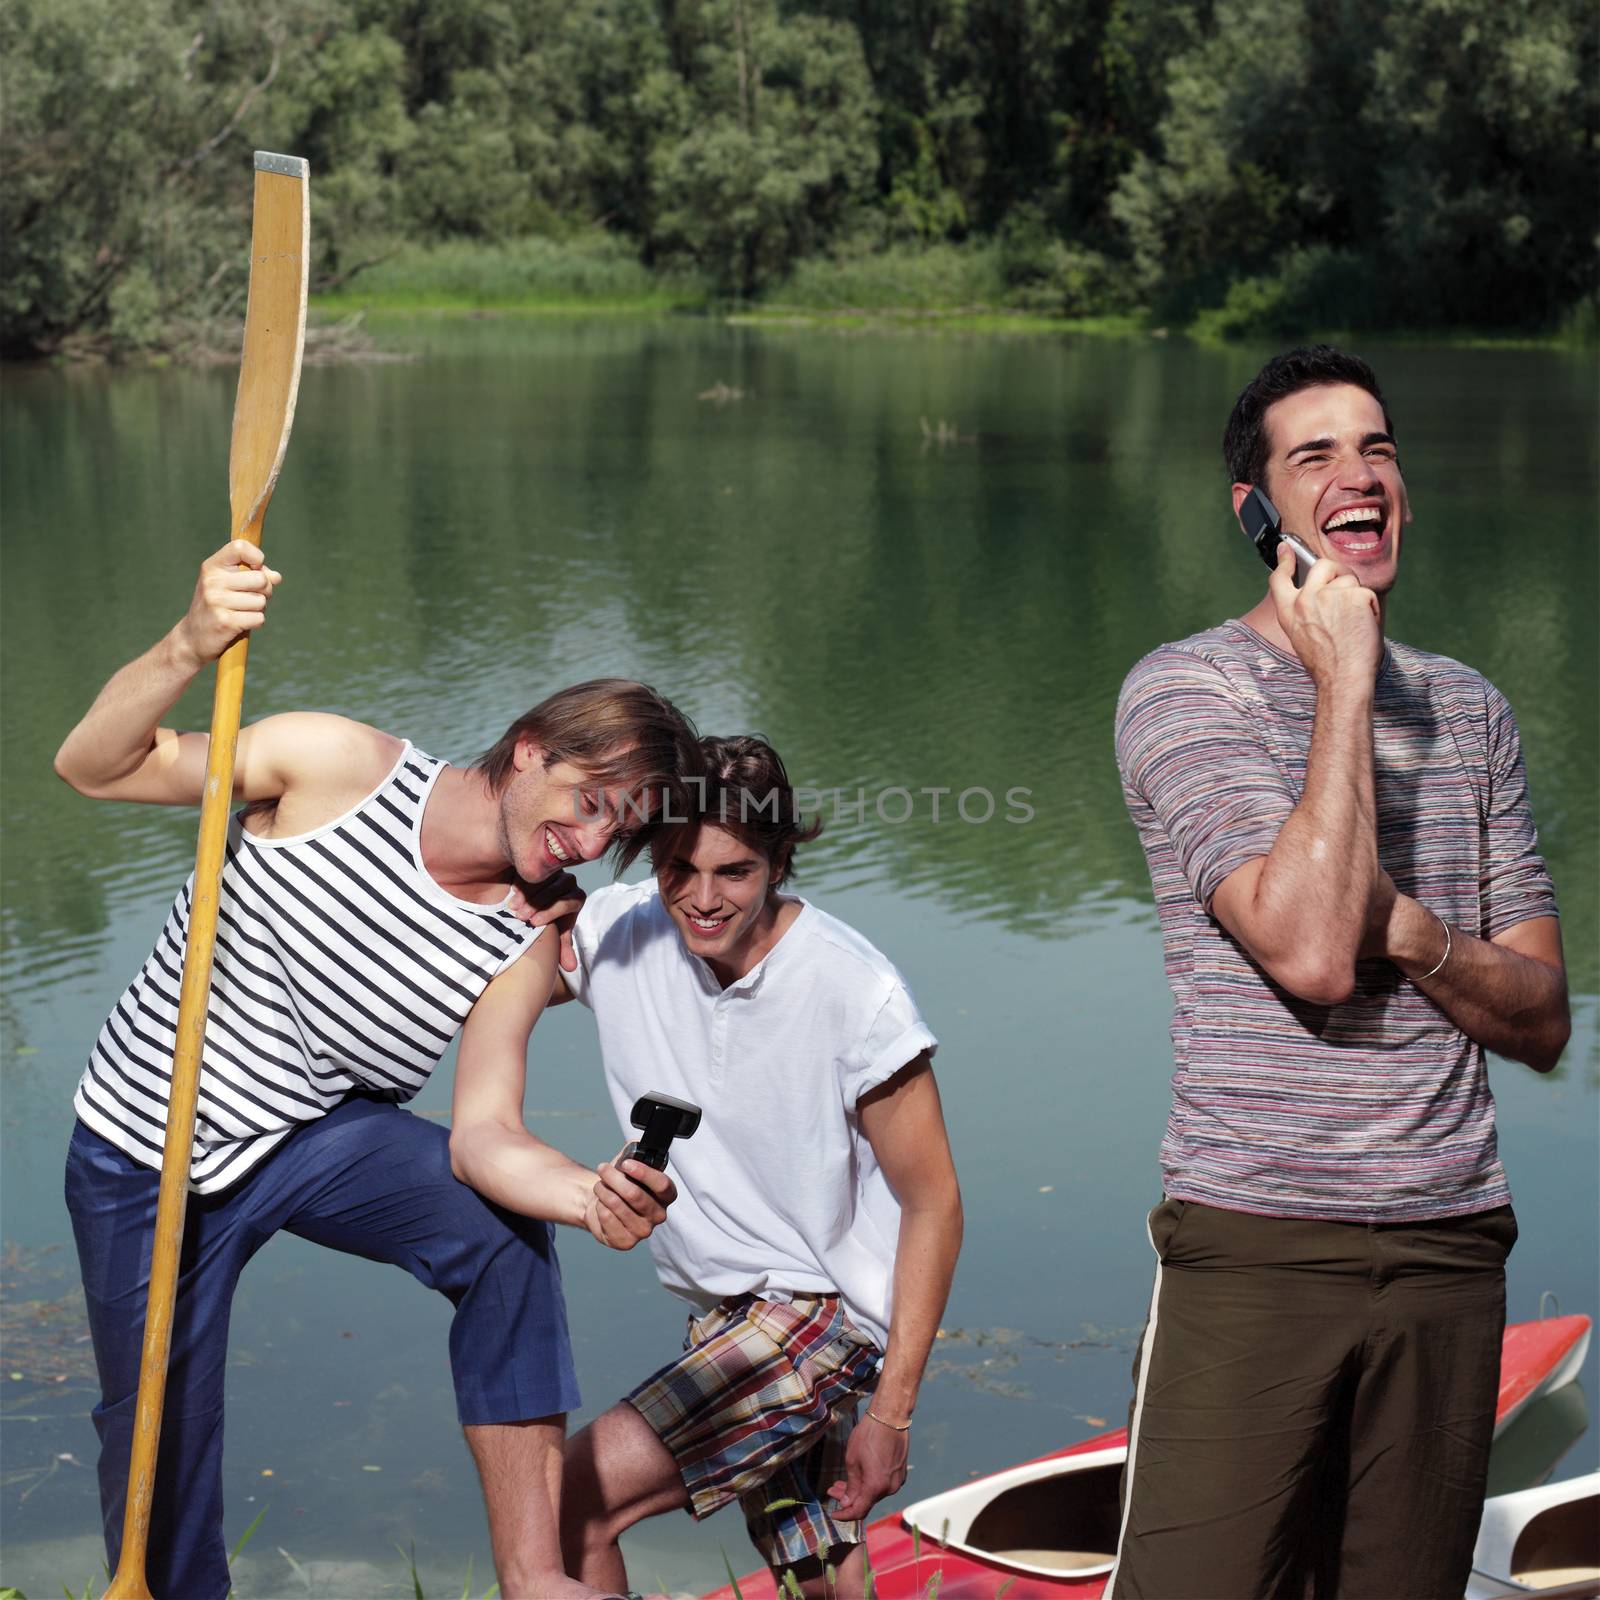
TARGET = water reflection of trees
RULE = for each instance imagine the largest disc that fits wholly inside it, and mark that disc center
(531, 503)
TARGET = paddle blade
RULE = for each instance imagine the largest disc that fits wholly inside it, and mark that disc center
(274, 335)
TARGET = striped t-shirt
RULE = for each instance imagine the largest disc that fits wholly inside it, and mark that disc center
(1377, 1109)
(340, 965)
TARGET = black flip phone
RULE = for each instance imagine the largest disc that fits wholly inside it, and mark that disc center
(1260, 520)
(660, 1119)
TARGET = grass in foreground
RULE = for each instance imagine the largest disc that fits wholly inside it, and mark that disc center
(300, 1573)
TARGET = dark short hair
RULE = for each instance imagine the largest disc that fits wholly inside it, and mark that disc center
(743, 786)
(1244, 441)
(622, 734)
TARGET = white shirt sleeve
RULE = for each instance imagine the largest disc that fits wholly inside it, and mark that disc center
(898, 1035)
(595, 919)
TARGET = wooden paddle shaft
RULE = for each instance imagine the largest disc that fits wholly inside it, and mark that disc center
(269, 379)
(199, 949)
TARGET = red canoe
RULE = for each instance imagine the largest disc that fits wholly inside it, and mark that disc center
(1049, 1527)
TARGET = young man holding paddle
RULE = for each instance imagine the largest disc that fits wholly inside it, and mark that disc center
(374, 902)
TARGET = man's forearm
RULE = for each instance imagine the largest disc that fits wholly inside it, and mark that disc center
(1307, 911)
(522, 1173)
(1508, 1002)
(924, 1264)
(119, 730)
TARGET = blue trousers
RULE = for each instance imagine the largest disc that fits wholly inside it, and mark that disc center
(368, 1179)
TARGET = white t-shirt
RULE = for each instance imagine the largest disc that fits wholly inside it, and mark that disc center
(778, 1192)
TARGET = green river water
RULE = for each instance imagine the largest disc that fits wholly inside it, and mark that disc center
(530, 502)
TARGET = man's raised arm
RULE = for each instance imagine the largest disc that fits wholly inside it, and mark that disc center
(120, 751)
(1301, 911)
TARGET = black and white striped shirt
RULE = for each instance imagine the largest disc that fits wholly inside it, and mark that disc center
(340, 965)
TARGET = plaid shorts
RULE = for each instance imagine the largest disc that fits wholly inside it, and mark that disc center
(759, 1408)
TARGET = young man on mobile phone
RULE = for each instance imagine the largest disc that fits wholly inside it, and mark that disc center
(1353, 910)
(374, 901)
(817, 1219)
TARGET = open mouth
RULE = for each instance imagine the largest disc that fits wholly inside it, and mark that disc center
(554, 846)
(1357, 530)
(707, 925)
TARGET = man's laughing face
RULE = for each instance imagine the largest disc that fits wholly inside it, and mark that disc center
(1334, 475)
(552, 818)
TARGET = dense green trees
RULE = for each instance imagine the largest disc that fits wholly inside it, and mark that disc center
(774, 151)
(1415, 164)
(1266, 164)
(113, 117)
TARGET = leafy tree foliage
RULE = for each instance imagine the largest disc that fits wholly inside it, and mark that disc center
(780, 151)
(1492, 119)
(1265, 164)
(112, 114)
(1423, 163)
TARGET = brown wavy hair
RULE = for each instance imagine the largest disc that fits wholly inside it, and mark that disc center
(741, 784)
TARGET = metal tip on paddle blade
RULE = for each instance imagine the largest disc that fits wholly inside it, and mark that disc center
(289, 166)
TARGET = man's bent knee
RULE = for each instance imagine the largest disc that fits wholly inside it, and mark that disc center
(617, 1472)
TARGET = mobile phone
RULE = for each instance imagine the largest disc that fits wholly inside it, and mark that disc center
(660, 1119)
(1260, 520)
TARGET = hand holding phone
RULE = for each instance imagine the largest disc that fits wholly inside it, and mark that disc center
(626, 1208)
(1264, 527)
(660, 1119)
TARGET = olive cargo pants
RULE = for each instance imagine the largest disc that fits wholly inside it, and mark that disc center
(1313, 1407)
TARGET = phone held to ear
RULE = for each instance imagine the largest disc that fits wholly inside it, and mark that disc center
(1260, 520)
(660, 1119)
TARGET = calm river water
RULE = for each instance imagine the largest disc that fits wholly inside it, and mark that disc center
(532, 502)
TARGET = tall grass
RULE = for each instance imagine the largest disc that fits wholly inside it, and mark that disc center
(936, 277)
(602, 271)
(594, 269)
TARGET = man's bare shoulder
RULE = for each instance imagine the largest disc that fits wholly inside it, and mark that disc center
(318, 766)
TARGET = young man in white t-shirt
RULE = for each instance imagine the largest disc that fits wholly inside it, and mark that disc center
(817, 1218)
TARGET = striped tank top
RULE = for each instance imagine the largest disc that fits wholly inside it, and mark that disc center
(340, 965)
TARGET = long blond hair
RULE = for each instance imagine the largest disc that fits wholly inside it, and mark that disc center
(622, 734)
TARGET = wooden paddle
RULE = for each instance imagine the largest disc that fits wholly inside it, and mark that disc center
(269, 378)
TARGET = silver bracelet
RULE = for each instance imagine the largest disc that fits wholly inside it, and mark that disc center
(1446, 956)
(898, 1427)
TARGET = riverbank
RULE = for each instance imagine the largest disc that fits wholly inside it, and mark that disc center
(940, 289)
(975, 289)
(978, 287)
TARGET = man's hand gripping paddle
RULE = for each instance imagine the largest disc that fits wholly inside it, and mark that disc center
(269, 378)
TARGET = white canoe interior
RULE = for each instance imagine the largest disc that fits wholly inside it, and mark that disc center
(1062, 1515)
(1543, 1538)
(1047, 1517)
